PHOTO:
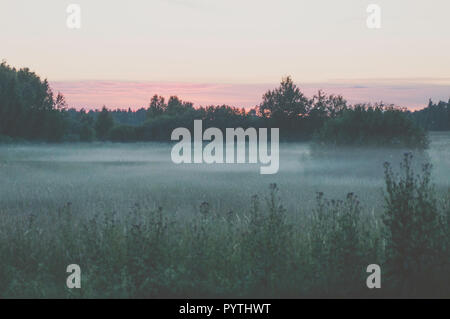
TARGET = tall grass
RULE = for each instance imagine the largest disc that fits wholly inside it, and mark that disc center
(260, 251)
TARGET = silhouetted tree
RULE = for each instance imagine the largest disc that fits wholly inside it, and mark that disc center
(435, 117)
(177, 106)
(104, 124)
(285, 102)
(157, 106)
(379, 125)
(27, 106)
(29, 110)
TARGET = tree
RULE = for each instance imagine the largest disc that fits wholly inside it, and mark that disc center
(372, 125)
(435, 117)
(60, 102)
(87, 132)
(104, 124)
(157, 107)
(28, 108)
(319, 108)
(176, 106)
(285, 102)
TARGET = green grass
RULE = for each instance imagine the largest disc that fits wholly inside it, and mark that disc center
(259, 253)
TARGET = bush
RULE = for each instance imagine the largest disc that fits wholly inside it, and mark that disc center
(337, 248)
(372, 126)
(417, 249)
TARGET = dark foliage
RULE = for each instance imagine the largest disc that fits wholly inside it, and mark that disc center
(417, 233)
(28, 110)
(104, 124)
(435, 117)
(28, 107)
(366, 125)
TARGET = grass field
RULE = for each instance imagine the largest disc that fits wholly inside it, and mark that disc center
(141, 226)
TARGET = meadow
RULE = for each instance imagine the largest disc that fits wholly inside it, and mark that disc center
(140, 226)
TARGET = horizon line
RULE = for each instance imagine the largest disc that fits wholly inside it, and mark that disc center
(413, 93)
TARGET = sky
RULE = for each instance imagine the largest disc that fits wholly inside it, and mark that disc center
(231, 51)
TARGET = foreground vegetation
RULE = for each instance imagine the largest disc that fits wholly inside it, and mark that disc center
(261, 251)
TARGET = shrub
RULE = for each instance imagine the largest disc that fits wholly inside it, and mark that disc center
(416, 232)
(337, 246)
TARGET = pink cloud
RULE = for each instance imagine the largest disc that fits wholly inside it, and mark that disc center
(121, 94)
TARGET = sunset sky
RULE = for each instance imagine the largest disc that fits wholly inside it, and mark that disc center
(231, 51)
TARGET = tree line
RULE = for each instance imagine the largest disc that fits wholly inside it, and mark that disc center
(29, 110)
(28, 107)
(435, 117)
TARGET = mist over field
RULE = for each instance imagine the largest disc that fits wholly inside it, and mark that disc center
(114, 177)
(195, 230)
